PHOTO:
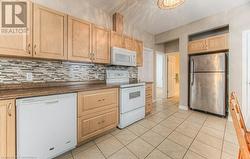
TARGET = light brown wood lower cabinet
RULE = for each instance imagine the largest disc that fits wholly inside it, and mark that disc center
(149, 98)
(97, 112)
(7, 129)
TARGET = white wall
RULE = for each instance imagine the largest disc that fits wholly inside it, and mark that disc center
(159, 70)
(238, 20)
(146, 72)
(83, 9)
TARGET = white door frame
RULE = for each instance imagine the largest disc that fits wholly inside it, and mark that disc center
(164, 74)
(246, 77)
(169, 54)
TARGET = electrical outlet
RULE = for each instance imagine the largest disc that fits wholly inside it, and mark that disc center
(29, 77)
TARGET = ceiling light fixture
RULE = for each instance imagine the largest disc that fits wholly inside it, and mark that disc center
(169, 4)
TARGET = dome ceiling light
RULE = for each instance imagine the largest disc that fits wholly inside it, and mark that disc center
(169, 4)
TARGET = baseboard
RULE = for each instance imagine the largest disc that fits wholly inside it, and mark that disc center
(183, 107)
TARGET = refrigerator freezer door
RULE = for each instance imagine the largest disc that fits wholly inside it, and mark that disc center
(208, 63)
(207, 92)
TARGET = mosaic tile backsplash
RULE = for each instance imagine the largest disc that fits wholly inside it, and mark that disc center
(14, 71)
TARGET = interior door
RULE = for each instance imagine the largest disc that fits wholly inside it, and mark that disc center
(50, 33)
(171, 76)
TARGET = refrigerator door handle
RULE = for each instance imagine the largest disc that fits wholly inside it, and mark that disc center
(192, 72)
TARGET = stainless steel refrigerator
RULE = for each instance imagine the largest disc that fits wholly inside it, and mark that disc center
(207, 87)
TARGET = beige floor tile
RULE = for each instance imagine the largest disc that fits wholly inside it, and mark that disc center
(212, 132)
(169, 124)
(103, 138)
(109, 146)
(147, 123)
(215, 124)
(197, 118)
(162, 130)
(125, 136)
(192, 155)
(156, 154)
(140, 148)
(175, 119)
(205, 150)
(152, 138)
(155, 118)
(231, 138)
(137, 129)
(67, 155)
(83, 147)
(182, 114)
(91, 153)
(228, 156)
(124, 153)
(187, 131)
(209, 140)
(230, 148)
(172, 149)
(180, 139)
(116, 131)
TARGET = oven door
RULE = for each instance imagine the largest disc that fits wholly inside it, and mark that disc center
(132, 98)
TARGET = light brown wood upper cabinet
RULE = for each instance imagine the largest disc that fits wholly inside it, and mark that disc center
(117, 40)
(129, 43)
(210, 44)
(79, 40)
(50, 33)
(197, 46)
(101, 45)
(139, 52)
(7, 129)
(18, 44)
(219, 42)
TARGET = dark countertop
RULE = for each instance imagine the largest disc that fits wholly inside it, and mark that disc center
(41, 89)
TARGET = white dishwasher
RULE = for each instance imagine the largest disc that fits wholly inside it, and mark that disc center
(46, 126)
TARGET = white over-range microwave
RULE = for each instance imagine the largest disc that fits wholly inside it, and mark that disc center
(123, 57)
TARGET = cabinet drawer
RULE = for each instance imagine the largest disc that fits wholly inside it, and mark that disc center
(93, 126)
(94, 101)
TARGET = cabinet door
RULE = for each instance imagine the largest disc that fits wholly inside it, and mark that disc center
(197, 46)
(117, 40)
(79, 40)
(218, 43)
(89, 127)
(50, 33)
(7, 129)
(101, 45)
(129, 43)
(18, 44)
(139, 52)
(149, 98)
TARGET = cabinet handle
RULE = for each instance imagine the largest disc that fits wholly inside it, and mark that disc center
(35, 49)
(9, 109)
(28, 49)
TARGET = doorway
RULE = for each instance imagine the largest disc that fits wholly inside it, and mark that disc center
(160, 75)
(173, 73)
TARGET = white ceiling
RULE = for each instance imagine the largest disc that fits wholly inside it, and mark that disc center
(146, 15)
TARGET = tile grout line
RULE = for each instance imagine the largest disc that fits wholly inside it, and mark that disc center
(194, 140)
(166, 137)
(223, 140)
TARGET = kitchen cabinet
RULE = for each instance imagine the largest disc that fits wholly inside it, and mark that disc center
(217, 43)
(101, 45)
(7, 129)
(149, 98)
(97, 112)
(197, 46)
(129, 43)
(50, 33)
(210, 44)
(79, 40)
(18, 44)
(117, 40)
(139, 52)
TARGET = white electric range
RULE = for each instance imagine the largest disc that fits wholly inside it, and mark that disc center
(132, 97)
